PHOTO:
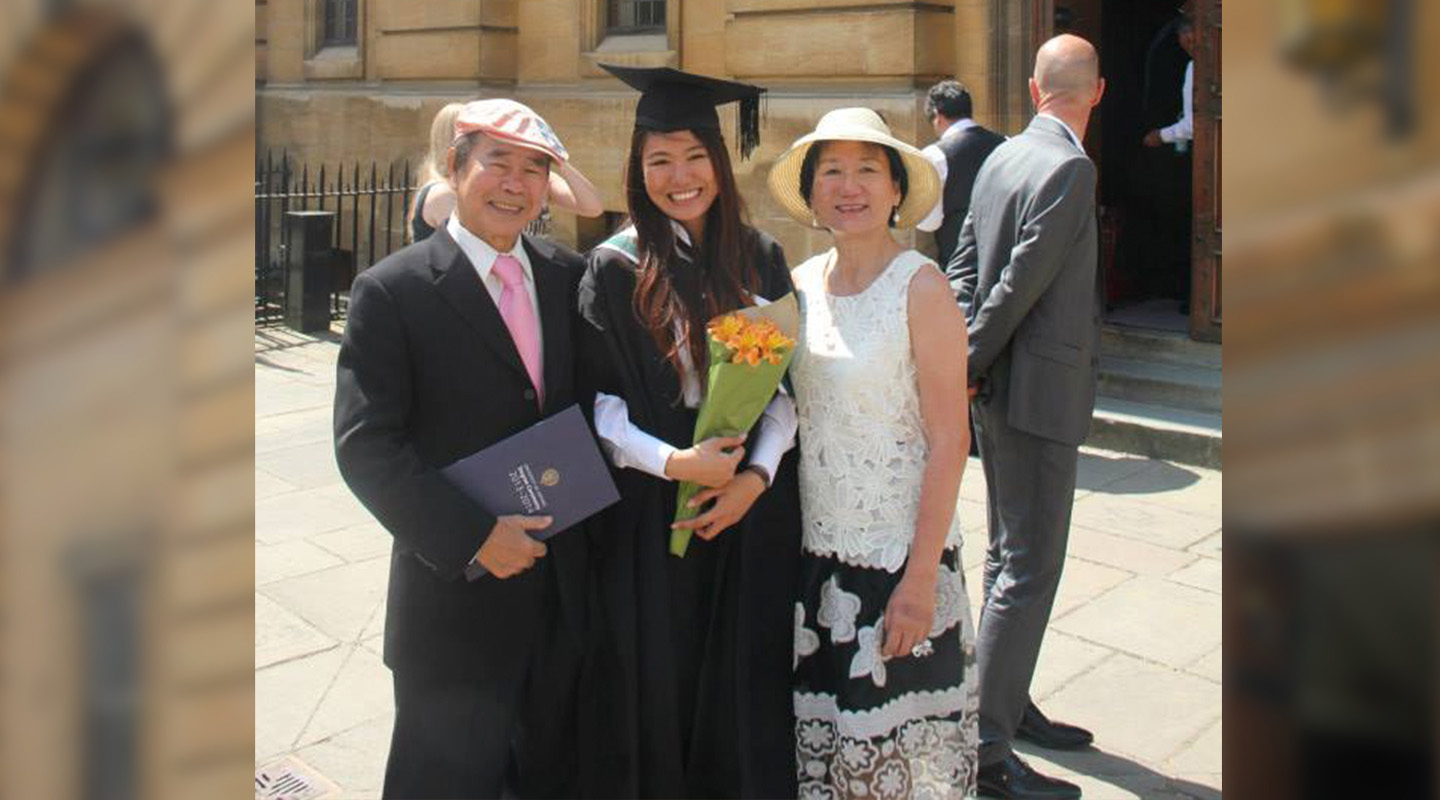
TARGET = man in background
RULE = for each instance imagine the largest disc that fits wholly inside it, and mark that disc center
(1172, 272)
(957, 156)
(1025, 272)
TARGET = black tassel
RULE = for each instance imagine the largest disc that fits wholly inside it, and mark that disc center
(749, 122)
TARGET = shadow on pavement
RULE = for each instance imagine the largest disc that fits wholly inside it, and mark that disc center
(1118, 771)
(1122, 475)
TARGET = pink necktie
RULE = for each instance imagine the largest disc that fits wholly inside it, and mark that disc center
(519, 316)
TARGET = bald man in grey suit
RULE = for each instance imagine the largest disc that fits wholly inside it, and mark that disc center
(1025, 274)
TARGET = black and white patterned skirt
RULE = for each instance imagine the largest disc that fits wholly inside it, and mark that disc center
(872, 728)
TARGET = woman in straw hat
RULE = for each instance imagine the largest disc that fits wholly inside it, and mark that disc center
(885, 700)
(570, 190)
(688, 691)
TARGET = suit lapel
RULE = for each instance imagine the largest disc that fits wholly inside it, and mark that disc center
(550, 289)
(460, 285)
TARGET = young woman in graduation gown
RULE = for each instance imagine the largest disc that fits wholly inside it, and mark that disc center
(688, 681)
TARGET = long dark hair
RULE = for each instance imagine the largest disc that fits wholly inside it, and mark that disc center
(726, 256)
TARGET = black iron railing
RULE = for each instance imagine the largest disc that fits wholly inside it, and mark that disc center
(370, 222)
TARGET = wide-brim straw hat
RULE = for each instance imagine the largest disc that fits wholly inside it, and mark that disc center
(855, 125)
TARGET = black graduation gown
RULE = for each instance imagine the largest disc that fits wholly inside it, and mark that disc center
(688, 688)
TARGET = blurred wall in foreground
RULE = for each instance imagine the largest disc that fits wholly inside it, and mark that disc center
(1332, 402)
(126, 399)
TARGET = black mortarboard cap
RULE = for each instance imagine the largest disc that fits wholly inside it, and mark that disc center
(671, 100)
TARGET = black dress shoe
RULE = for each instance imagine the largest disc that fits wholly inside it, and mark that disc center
(1036, 728)
(1013, 778)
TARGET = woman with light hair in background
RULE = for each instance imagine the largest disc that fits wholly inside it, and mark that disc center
(569, 189)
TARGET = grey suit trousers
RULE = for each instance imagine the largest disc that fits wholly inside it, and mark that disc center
(1030, 484)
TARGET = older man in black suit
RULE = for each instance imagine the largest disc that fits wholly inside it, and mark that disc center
(1025, 273)
(451, 345)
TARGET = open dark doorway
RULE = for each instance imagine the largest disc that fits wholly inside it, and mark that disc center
(1145, 191)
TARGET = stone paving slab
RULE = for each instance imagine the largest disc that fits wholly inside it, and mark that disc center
(1100, 469)
(1203, 574)
(281, 635)
(1208, 667)
(340, 602)
(1136, 708)
(1107, 776)
(1179, 488)
(309, 426)
(360, 542)
(1147, 521)
(362, 692)
(1081, 583)
(301, 514)
(1161, 621)
(276, 562)
(972, 485)
(358, 754)
(375, 626)
(1208, 547)
(308, 466)
(1062, 659)
(1141, 558)
(1133, 651)
(289, 693)
(268, 485)
(280, 397)
(1203, 757)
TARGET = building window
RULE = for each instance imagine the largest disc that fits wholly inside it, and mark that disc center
(94, 179)
(340, 16)
(110, 609)
(635, 16)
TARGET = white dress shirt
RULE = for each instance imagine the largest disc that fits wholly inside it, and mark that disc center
(1184, 128)
(937, 157)
(482, 257)
(628, 447)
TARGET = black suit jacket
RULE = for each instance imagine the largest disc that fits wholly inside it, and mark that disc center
(428, 374)
(964, 153)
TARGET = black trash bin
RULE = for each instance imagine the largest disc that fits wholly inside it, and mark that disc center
(308, 273)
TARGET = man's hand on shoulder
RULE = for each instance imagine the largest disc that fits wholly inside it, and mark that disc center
(510, 551)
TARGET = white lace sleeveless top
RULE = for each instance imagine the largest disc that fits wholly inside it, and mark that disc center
(862, 439)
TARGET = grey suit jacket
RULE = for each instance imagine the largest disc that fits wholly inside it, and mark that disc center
(1025, 274)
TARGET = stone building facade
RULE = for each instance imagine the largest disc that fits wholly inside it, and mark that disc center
(370, 95)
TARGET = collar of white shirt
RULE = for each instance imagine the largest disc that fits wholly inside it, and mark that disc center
(482, 256)
(680, 232)
(1069, 131)
(957, 126)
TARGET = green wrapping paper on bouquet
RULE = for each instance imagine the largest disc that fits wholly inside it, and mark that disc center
(750, 350)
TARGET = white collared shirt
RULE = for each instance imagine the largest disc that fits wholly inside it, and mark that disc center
(937, 157)
(1184, 128)
(1069, 131)
(482, 257)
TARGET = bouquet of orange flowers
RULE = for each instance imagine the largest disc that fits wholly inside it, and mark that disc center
(750, 350)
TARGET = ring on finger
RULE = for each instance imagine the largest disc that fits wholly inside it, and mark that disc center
(923, 649)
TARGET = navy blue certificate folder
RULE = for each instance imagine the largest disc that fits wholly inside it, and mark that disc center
(552, 468)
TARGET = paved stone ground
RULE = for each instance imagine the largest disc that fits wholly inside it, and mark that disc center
(1133, 651)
